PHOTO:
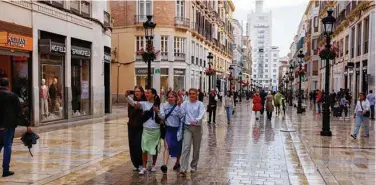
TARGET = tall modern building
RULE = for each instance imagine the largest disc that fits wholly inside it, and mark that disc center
(264, 55)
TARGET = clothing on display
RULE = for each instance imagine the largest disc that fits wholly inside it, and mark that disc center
(44, 98)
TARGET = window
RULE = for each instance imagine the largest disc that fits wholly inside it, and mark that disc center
(180, 8)
(266, 65)
(352, 42)
(347, 45)
(75, 6)
(314, 46)
(145, 8)
(139, 43)
(274, 81)
(179, 46)
(274, 65)
(358, 37)
(274, 70)
(107, 19)
(85, 8)
(164, 45)
(266, 70)
(317, 3)
(366, 35)
(275, 60)
(316, 24)
(275, 55)
(274, 76)
(266, 76)
(341, 48)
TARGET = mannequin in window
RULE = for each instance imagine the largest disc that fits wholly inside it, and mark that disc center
(44, 98)
(53, 95)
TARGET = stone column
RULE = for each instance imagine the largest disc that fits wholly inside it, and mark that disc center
(371, 51)
(35, 80)
(67, 80)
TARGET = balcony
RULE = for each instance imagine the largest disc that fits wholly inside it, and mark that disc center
(182, 22)
(140, 19)
(179, 56)
(164, 56)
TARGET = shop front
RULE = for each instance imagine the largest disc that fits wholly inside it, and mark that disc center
(142, 76)
(179, 79)
(16, 45)
(52, 52)
(80, 77)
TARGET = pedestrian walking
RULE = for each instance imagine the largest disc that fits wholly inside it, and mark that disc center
(200, 95)
(235, 97)
(135, 129)
(318, 102)
(229, 105)
(193, 111)
(371, 100)
(361, 115)
(151, 135)
(269, 103)
(278, 102)
(10, 111)
(263, 96)
(212, 106)
(344, 104)
(171, 114)
(257, 105)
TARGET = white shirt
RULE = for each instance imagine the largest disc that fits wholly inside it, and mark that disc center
(145, 106)
(193, 112)
(365, 105)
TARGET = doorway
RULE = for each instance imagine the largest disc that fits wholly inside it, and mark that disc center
(107, 92)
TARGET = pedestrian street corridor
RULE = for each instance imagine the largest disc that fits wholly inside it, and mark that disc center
(282, 151)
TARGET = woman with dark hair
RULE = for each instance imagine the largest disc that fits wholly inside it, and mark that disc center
(151, 135)
(171, 113)
(135, 129)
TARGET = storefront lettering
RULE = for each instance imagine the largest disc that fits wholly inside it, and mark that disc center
(107, 57)
(81, 52)
(179, 72)
(56, 48)
(143, 71)
(17, 42)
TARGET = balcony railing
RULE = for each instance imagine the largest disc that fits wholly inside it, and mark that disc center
(140, 19)
(179, 56)
(181, 21)
(164, 56)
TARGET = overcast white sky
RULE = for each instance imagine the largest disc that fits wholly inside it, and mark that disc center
(286, 18)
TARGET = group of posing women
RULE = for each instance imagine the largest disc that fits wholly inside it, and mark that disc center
(177, 123)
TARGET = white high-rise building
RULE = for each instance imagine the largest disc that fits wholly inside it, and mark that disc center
(259, 29)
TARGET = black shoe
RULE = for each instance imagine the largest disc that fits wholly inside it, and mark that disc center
(164, 169)
(208, 122)
(354, 137)
(213, 122)
(7, 173)
(176, 166)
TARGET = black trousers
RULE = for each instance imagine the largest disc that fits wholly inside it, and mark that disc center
(269, 114)
(212, 112)
(134, 139)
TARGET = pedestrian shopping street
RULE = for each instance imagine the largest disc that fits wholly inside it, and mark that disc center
(280, 151)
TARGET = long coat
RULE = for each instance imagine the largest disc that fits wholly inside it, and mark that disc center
(269, 103)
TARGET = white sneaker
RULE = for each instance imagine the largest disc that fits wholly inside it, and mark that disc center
(142, 171)
(139, 168)
(153, 169)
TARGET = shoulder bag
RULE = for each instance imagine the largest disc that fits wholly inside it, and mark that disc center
(163, 126)
(367, 112)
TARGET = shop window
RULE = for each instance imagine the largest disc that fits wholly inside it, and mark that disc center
(164, 45)
(52, 105)
(80, 74)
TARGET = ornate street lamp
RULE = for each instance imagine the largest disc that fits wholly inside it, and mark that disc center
(210, 62)
(328, 23)
(149, 26)
(300, 56)
(291, 79)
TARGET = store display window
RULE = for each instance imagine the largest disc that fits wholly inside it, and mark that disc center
(80, 87)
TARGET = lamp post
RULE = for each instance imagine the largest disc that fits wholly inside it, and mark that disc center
(240, 83)
(210, 59)
(230, 77)
(149, 26)
(300, 56)
(291, 77)
(328, 23)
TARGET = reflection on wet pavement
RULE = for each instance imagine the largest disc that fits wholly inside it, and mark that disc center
(282, 151)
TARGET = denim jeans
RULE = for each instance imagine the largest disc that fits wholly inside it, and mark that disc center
(318, 107)
(229, 113)
(7, 137)
(372, 113)
(359, 119)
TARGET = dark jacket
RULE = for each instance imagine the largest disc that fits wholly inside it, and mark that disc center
(212, 100)
(10, 109)
(201, 96)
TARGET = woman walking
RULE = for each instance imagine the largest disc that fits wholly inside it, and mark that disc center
(135, 129)
(150, 141)
(361, 115)
(171, 113)
(269, 103)
(229, 105)
(193, 111)
(257, 104)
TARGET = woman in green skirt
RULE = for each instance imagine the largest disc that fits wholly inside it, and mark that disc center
(151, 134)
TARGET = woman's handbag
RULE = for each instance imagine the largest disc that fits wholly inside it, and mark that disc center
(367, 112)
(163, 126)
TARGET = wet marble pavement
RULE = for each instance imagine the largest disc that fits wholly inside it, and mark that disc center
(285, 150)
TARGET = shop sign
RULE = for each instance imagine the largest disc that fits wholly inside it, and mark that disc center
(364, 68)
(107, 57)
(58, 48)
(157, 71)
(143, 71)
(351, 71)
(81, 51)
(14, 41)
(179, 72)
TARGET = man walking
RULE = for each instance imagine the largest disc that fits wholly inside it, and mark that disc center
(212, 106)
(10, 109)
(371, 100)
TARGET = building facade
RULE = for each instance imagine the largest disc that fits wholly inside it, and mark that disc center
(186, 32)
(259, 26)
(353, 38)
(55, 54)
